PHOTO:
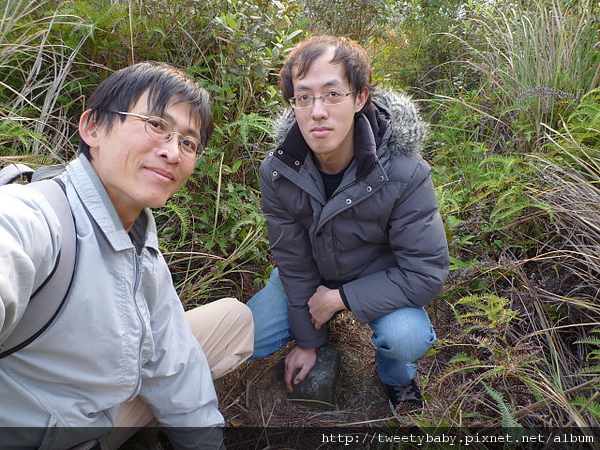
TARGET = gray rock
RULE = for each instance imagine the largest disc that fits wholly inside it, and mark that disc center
(317, 390)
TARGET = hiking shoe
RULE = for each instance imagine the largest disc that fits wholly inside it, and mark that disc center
(407, 395)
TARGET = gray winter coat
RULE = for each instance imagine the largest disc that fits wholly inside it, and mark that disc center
(122, 332)
(379, 238)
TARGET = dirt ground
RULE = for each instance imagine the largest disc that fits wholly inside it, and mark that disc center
(255, 395)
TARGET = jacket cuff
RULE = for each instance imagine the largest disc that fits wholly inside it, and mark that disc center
(310, 339)
(344, 298)
(205, 438)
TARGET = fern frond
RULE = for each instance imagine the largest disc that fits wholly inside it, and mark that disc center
(248, 123)
(180, 209)
(593, 408)
(589, 340)
(592, 369)
(492, 308)
(508, 420)
(462, 357)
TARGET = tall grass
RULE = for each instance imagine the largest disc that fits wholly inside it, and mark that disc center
(515, 160)
(538, 60)
(36, 70)
(570, 183)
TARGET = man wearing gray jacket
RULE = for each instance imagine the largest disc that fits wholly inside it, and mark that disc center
(121, 351)
(352, 218)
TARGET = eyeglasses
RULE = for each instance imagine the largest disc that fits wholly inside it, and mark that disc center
(162, 131)
(330, 98)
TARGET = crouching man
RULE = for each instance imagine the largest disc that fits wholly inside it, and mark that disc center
(352, 218)
(122, 351)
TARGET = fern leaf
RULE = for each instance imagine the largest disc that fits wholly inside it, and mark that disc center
(508, 420)
(593, 408)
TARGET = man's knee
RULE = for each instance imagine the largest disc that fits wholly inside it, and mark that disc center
(225, 318)
(237, 312)
(406, 334)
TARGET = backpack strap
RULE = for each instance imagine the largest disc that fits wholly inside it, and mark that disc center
(13, 171)
(48, 299)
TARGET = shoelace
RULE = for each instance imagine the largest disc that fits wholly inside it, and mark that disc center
(404, 393)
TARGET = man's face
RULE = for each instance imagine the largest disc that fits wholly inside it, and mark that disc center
(327, 129)
(137, 170)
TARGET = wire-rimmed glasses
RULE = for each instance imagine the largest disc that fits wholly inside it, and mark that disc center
(332, 97)
(162, 131)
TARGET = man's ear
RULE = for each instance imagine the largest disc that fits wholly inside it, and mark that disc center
(361, 99)
(88, 129)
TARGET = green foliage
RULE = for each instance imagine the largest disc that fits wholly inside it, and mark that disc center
(235, 215)
(489, 311)
(593, 357)
(360, 20)
(252, 41)
(245, 126)
(248, 41)
(467, 363)
(484, 321)
(174, 220)
(242, 140)
(582, 127)
(120, 33)
(569, 181)
(591, 406)
(36, 67)
(535, 59)
(507, 412)
(485, 193)
(415, 51)
(218, 217)
(16, 138)
(462, 357)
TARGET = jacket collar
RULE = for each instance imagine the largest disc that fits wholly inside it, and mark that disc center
(96, 201)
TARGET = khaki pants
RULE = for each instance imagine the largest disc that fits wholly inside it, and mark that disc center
(225, 330)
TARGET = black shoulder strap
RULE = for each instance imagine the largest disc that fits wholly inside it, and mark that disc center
(48, 299)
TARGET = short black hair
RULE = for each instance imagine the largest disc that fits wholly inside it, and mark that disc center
(164, 83)
(352, 56)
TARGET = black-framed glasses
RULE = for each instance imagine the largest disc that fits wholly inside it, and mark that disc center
(332, 97)
(162, 131)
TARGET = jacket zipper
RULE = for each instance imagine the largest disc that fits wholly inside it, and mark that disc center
(137, 261)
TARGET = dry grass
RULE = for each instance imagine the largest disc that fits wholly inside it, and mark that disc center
(524, 359)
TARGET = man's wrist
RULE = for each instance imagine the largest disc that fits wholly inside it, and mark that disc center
(306, 349)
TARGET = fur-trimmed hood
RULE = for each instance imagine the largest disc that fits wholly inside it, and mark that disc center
(408, 130)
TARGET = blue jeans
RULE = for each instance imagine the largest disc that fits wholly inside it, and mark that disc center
(401, 337)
